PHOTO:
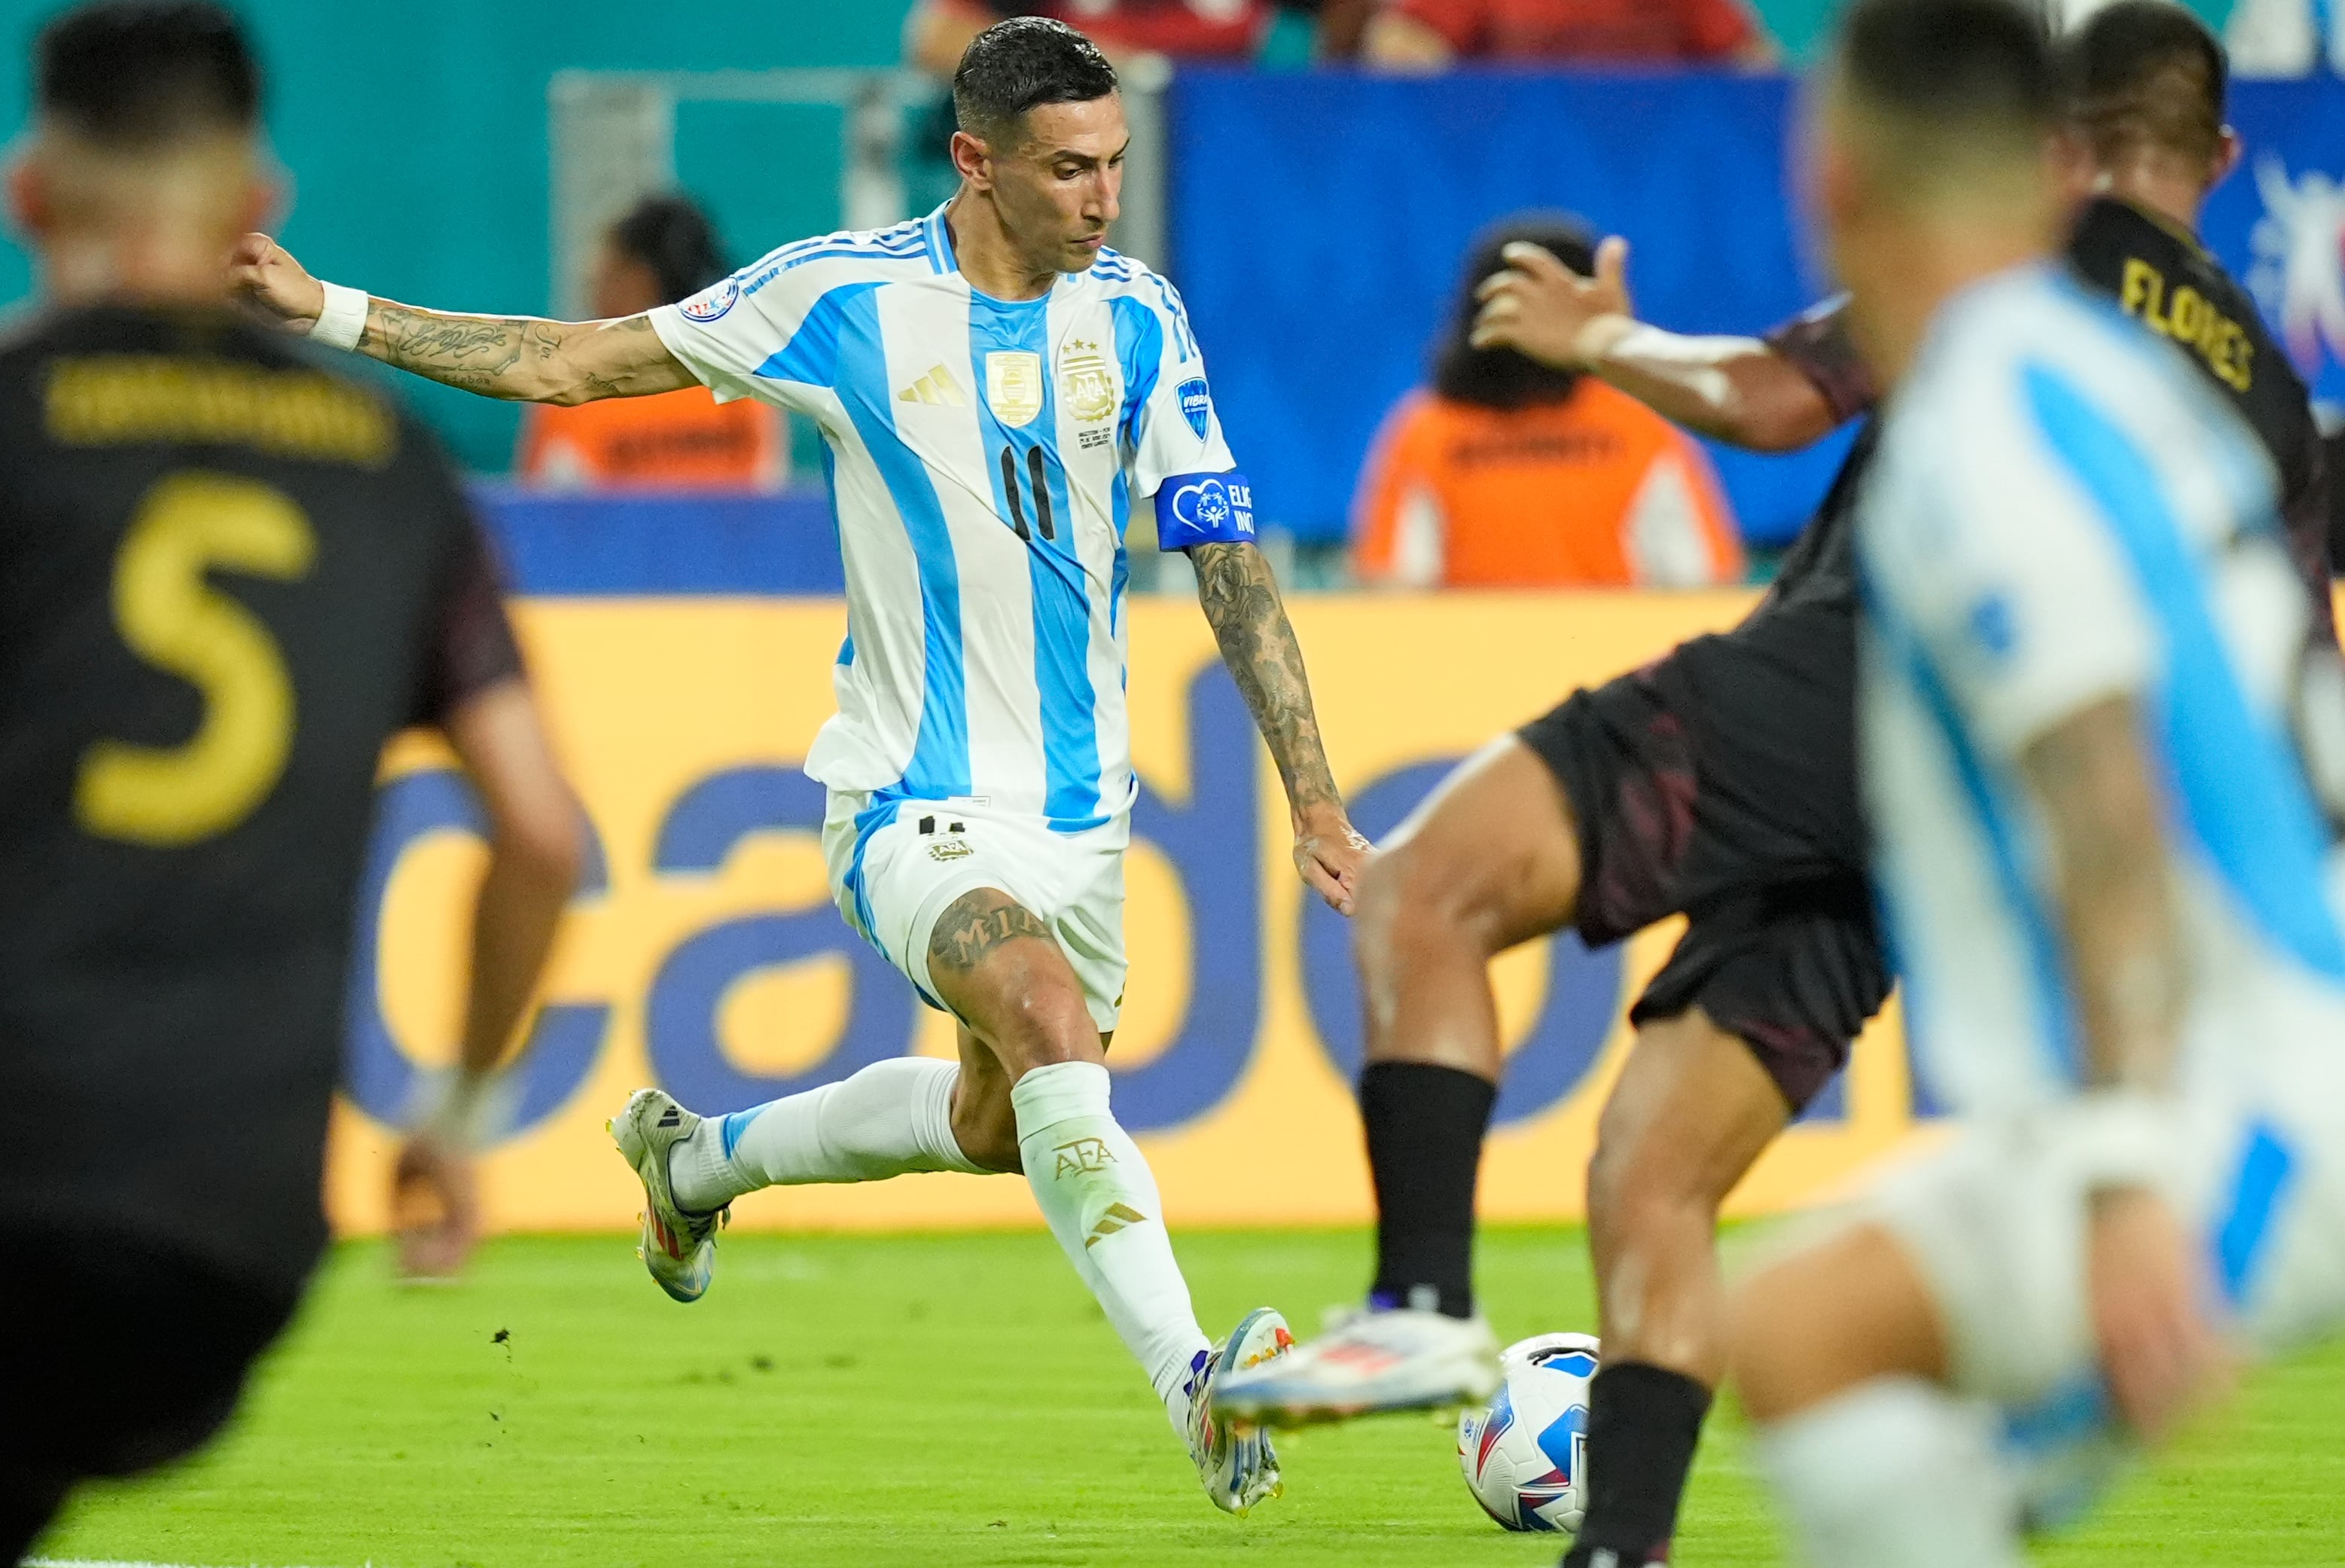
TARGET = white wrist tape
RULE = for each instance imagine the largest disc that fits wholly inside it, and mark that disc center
(342, 322)
(468, 1110)
(2121, 1138)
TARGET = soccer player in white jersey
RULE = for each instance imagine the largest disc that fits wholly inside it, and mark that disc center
(2093, 737)
(997, 391)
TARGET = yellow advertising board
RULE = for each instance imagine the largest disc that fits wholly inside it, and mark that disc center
(704, 955)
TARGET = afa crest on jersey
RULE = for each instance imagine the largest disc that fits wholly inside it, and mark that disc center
(1086, 382)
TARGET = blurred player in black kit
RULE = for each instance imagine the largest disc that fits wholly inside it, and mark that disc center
(226, 576)
(1718, 782)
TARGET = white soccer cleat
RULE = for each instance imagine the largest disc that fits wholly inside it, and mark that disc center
(1233, 1460)
(679, 1248)
(1372, 1361)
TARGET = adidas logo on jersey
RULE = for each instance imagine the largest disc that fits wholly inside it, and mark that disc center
(937, 387)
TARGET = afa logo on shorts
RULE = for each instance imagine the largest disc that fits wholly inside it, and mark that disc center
(711, 304)
(1196, 404)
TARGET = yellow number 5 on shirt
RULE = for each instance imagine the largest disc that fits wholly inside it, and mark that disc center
(188, 524)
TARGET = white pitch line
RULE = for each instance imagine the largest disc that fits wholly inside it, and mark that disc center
(93, 1563)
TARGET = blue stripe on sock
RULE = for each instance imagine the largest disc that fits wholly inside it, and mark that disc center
(732, 1127)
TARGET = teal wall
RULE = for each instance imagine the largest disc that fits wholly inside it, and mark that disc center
(415, 135)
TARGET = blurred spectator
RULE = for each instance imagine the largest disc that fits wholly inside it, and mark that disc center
(937, 31)
(1505, 474)
(2285, 37)
(663, 252)
(1430, 34)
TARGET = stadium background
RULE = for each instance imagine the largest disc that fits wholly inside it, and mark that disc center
(684, 644)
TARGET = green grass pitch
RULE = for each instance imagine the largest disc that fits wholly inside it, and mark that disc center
(957, 1400)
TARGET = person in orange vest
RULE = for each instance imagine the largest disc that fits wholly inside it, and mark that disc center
(664, 250)
(1507, 473)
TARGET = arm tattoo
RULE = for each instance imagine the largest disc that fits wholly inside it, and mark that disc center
(2112, 863)
(976, 923)
(1240, 597)
(469, 351)
(515, 357)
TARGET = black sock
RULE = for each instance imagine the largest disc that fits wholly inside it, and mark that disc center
(1642, 1424)
(1424, 1143)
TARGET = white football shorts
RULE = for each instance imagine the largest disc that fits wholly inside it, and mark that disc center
(1995, 1224)
(897, 867)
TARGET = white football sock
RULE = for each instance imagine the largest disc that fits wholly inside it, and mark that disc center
(1097, 1193)
(891, 1118)
(1896, 1474)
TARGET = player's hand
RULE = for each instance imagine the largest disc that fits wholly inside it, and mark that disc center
(1542, 308)
(435, 1207)
(264, 274)
(2162, 1356)
(1329, 853)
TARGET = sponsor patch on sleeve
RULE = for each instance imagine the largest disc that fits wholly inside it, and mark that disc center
(1204, 509)
(1196, 404)
(713, 301)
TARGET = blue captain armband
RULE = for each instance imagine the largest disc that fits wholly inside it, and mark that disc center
(1204, 509)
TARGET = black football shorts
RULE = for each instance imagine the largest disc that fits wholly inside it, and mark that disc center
(1781, 948)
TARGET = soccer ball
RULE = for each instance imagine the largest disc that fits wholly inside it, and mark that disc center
(1525, 1456)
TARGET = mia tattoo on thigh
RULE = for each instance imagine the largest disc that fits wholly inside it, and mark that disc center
(974, 925)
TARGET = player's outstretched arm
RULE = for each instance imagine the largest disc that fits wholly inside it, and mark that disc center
(523, 359)
(1240, 596)
(1737, 390)
(2106, 837)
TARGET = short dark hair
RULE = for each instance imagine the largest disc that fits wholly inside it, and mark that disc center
(2146, 73)
(1507, 378)
(1954, 87)
(670, 235)
(141, 73)
(1023, 64)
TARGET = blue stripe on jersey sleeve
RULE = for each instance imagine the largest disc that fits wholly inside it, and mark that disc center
(2244, 794)
(1061, 592)
(939, 243)
(1140, 352)
(852, 253)
(938, 768)
(2056, 1020)
(811, 356)
(1177, 312)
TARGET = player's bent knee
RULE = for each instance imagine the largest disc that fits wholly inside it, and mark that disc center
(1034, 1015)
(1639, 1165)
(987, 1133)
(1417, 893)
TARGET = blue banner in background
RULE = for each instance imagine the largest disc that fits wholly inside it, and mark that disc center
(1320, 219)
(560, 544)
(2279, 221)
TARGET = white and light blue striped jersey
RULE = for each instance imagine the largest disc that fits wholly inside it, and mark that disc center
(983, 458)
(2062, 512)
